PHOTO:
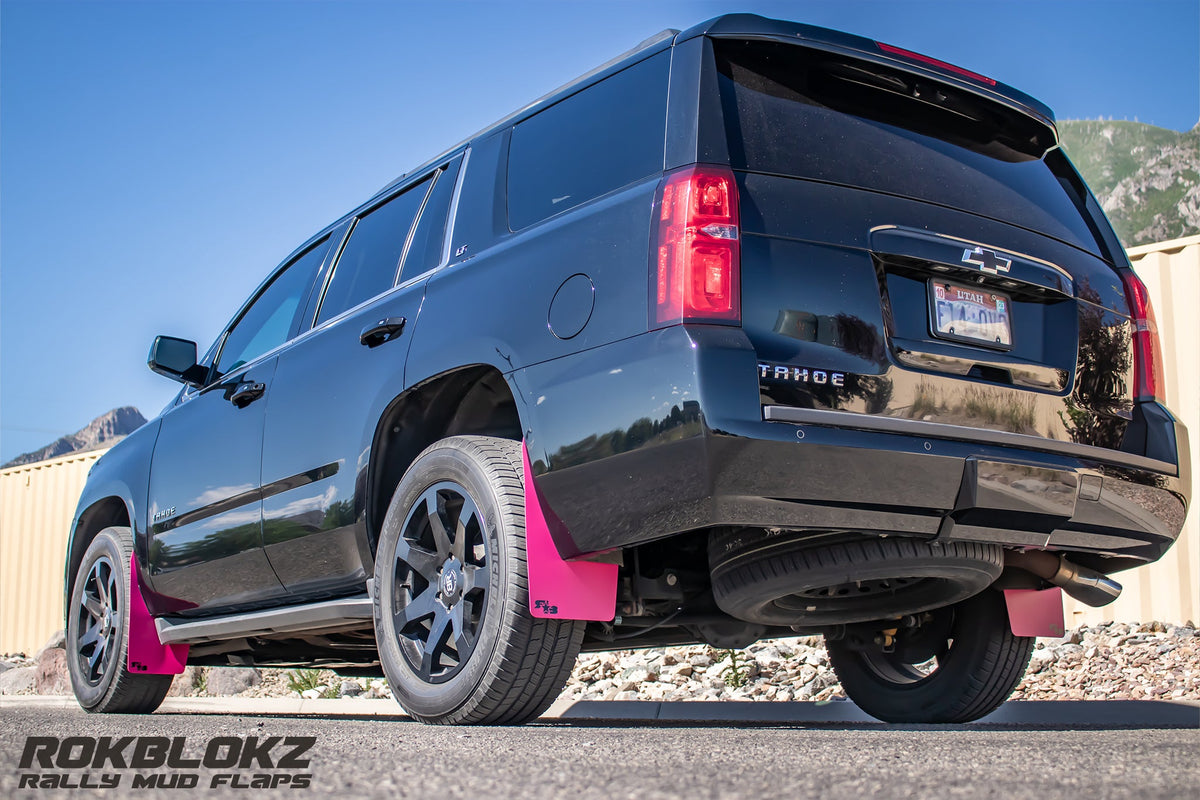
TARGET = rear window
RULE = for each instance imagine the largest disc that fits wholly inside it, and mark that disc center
(370, 262)
(600, 139)
(793, 111)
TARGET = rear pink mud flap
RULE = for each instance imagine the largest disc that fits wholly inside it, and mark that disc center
(1033, 612)
(560, 589)
(146, 654)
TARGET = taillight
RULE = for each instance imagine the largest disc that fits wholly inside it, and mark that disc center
(695, 274)
(1147, 350)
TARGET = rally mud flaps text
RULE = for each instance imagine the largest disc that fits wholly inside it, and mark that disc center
(161, 762)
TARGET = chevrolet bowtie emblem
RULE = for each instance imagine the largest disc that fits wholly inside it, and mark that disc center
(986, 260)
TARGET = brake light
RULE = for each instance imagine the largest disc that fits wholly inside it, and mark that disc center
(933, 62)
(696, 270)
(1147, 349)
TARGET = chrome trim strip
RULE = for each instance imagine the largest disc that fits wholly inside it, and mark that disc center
(937, 430)
(314, 616)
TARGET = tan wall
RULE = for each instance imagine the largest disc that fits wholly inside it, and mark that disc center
(1167, 589)
(37, 502)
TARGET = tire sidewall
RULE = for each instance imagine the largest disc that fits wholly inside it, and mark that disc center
(753, 572)
(445, 461)
(978, 624)
(106, 543)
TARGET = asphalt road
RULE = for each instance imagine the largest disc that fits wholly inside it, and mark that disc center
(578, 759)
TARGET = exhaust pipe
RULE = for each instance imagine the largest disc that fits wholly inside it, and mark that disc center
(1086, 585)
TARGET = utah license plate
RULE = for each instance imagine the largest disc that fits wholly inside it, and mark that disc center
(971, 314)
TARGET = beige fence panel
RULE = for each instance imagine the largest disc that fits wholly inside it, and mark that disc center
(1167, 589)
(37, 502)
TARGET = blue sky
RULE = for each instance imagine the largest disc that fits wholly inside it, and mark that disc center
(157, 159)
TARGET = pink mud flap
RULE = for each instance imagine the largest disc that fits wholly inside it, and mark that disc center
(561, 589)
(146, 654)
(1033, 612)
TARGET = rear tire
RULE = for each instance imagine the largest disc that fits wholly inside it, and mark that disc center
(97, 637)
(452, 624)
(978, 664)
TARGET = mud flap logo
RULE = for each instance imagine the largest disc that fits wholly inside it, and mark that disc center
(545, 607)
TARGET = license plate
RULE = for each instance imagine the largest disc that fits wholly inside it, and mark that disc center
(970, 314)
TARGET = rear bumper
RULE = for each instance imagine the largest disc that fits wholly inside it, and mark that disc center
(700, 451)
(949, 488)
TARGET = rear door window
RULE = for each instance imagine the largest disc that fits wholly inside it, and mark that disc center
(370, 261)
(600, 139)
(425, 249)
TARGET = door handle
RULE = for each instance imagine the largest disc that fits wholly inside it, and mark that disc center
(246, 393)
(385, 330)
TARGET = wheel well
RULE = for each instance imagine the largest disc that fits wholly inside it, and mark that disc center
(99, 515)
(473, 400)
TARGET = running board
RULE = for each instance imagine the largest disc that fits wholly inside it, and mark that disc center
(292, 619)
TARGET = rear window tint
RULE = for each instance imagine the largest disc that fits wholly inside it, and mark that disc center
(425, 250)
(605, 137)
(370, 262)
(793, 111)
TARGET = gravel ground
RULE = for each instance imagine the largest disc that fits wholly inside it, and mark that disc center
(1110, 661)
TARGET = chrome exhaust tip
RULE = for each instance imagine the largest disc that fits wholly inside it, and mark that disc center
(1085, 585)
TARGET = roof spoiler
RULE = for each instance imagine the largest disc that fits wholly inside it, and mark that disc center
(754, 26)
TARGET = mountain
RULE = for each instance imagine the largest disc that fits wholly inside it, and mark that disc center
(1146, 178)
(104, 431)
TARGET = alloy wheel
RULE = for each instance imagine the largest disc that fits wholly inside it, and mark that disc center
(99, 620)
(441, 581)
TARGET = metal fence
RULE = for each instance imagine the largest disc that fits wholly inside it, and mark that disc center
(37, 501)
(1166, 590)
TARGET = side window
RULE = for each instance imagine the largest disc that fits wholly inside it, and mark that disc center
(605, 137)
(370, 262)
(266, 323)
(425, 251)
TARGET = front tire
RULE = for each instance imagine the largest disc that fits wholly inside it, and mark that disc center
(97, 637)
(452, 624)
(960, 665)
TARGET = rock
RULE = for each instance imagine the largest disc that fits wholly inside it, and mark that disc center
(225, 681)
(19, 680)
(350, 689)
(312, 694)
(5, 666)
(1071, 637)
(51, 675)
(57, 641)
(1039, 660)
(637, 675)
(1065, 650)
(187, 682)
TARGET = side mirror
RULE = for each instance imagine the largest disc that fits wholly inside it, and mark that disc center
(176, 359)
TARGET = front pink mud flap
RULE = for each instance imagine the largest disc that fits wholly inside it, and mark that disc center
(1033, 612)
(146, 654)
(560, 589)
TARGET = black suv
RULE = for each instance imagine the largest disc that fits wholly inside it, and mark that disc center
(757, 329)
